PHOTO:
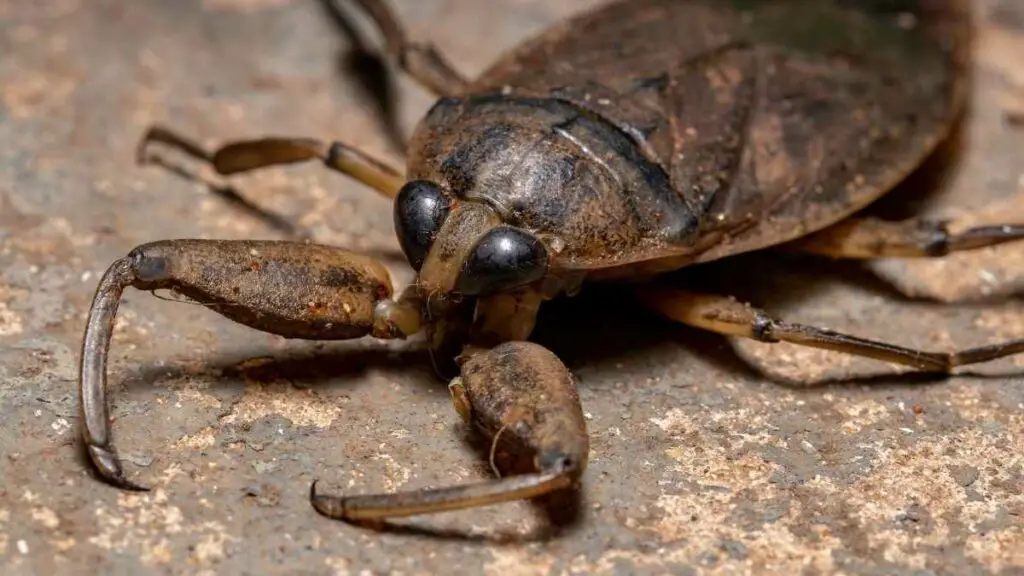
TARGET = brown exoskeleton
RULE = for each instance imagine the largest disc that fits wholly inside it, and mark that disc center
(630, 141)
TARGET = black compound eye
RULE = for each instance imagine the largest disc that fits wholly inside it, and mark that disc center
(420, 210)
(503, 259)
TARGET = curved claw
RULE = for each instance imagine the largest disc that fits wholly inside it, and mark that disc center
(378, 506)
(93, 373)
(326, 504)
(314, 499)
(109, 468)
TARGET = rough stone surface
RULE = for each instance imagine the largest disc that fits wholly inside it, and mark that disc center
(709, 455)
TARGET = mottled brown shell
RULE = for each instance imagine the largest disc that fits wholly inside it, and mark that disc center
(769, 119)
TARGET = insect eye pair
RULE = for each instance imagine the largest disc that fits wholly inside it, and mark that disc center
(504, 258)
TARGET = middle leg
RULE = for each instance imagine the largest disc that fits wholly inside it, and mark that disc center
(247, 155)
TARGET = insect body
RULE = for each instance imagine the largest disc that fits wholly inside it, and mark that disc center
(633, 140)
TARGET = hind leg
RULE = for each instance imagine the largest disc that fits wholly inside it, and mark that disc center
(724, 315)
(421, 61)
(867, 238)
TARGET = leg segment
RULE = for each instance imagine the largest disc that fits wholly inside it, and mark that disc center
(246, 155)
(421, 61)
(724, 315)
(866, 238)
(517, 393)
(292, 289)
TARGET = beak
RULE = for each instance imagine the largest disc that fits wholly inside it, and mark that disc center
(447, 331)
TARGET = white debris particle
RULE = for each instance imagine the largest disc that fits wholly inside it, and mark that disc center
(22, 546)
(60, 426)
(301, 407)
(987, 277)
(10, 323)
(46, 517)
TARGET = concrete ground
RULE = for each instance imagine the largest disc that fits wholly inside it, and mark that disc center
(708, 455)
